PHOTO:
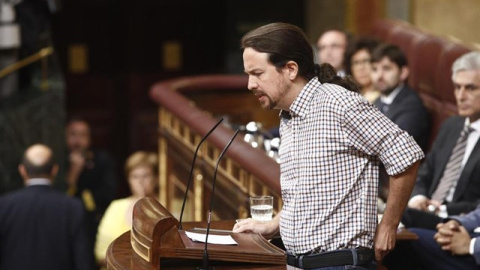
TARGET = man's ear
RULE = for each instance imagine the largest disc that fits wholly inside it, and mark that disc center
(404, 72)
(54, 171)
(23, 172)
(292, 68)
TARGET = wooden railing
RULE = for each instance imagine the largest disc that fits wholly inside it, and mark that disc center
(243, 172)
(39, 56)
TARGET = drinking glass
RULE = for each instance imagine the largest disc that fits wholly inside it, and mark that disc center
(261, 207)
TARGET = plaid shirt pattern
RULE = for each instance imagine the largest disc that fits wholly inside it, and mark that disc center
(332, 144)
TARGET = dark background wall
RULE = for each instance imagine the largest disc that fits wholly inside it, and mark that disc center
(124, 43)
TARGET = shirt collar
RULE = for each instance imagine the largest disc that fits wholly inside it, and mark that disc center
(300, 106)
(38, 181)
(475, 125)
(389, 99)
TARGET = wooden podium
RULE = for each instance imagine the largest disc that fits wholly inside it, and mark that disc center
(155, 242)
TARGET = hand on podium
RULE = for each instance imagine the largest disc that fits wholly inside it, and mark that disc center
(267, 229)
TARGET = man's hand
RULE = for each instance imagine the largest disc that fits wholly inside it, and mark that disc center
(77, 163)
(453, 237)
(385, 238)
(266, 229)
(401, 186)
(420, 203)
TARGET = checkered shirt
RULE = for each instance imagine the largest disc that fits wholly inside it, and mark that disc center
(331, 147)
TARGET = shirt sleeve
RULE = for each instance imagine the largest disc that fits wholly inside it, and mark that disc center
(368, 130)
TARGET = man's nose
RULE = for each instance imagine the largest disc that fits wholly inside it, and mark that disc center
(252, 84)
(461, 92)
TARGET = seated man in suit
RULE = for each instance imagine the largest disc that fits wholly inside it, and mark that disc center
(454, 245)
(42, 228)
(397, 101)
(448, 181)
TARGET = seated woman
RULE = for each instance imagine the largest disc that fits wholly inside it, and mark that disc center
(358, 64)
(141, 169)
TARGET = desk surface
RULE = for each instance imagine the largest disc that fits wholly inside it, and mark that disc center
(121, 256)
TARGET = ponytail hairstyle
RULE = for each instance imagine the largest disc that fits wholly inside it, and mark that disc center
(284, 42)
(327, 74)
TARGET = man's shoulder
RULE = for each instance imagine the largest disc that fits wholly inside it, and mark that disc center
(339, 93)
(101, 154)
(410, 96)
(26, 195)
(453, 122)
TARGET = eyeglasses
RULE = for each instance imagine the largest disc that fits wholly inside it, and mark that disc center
(361, 62)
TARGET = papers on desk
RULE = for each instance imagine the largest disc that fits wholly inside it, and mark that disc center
(212, 238)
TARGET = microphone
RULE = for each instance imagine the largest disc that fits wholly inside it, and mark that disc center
(209, 220)
(191, 170)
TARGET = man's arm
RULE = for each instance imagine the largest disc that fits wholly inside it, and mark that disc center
(401, 186)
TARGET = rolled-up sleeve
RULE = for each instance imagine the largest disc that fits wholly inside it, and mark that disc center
(370, 131)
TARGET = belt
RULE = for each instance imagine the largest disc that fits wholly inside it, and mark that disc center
(356, 256)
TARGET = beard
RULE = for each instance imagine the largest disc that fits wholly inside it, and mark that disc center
(272, 101)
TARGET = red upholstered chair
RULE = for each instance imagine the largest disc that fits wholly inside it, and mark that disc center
(443, 80)
(382, 29)
(423, 64)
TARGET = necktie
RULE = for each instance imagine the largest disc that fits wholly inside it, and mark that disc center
(452, 169)
(383, 107)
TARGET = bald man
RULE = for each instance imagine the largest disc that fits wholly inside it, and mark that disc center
(42, 228)
(331, 46)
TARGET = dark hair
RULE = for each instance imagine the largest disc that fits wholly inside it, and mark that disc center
(284, 42)
(348, 35)
(392, 52)
(77, 118)
(42, 170)
(361, 43)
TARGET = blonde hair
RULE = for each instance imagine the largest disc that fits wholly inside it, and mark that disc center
(142, 158)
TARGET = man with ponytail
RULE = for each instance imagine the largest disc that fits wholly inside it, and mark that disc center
(332, 143)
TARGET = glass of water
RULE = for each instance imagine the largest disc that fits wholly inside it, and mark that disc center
(261, 208)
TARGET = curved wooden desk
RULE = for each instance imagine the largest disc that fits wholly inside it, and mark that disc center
(155, 242)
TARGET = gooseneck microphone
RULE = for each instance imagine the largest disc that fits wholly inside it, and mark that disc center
(209, 220)
(191, 170)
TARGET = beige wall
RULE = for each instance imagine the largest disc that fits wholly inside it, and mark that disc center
(321, 15)
(457, 18)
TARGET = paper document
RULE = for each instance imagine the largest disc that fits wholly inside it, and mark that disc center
(212, 238)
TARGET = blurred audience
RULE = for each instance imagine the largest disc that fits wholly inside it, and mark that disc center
(358, 63)
(42, 228)
(141, 169)
(448, 181)
(397, 101)
(331, 46)
(90, 175)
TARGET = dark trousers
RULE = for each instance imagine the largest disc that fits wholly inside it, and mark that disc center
(413, 218)
(425, 253)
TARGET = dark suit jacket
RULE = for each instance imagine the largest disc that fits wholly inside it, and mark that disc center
(467, 192)
(41, 228)
(408, 112)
